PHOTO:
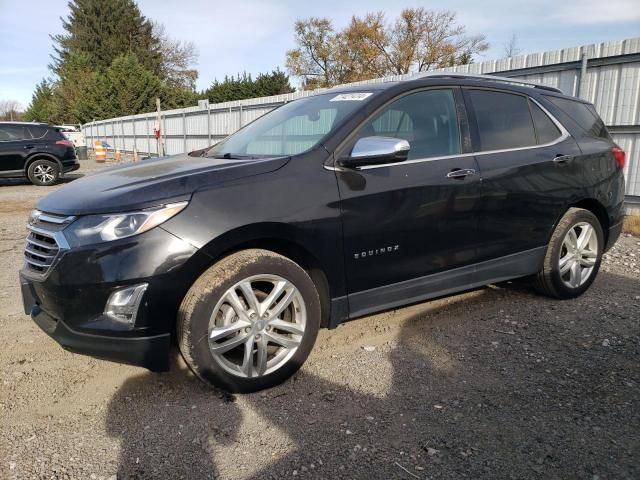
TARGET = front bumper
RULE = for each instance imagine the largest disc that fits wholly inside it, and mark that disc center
(149, 352)
(68, 302)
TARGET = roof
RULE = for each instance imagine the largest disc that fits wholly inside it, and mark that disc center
(9, 122)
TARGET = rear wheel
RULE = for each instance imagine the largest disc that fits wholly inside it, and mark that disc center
(249, 322)
(573, 255)
(43, 172)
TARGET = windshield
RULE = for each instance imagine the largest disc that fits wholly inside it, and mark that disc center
(291, 129)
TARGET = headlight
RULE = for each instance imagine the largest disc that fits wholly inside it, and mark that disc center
(104, 228)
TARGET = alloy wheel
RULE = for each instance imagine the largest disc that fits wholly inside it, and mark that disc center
(44, 173)
(578, 255)
(257, 326)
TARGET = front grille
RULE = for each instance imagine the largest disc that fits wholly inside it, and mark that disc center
(40, 252)
(44, 241)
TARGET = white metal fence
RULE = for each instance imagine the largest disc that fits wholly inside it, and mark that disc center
(606, 74)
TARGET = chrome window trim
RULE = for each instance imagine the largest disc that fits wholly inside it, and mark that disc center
(564, 134)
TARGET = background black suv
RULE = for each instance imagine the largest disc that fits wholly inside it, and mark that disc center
(35, 150)
(331, 207)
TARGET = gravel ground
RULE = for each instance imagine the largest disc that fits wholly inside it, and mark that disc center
(494, 383)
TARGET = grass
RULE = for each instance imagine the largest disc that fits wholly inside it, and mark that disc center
(632, 224)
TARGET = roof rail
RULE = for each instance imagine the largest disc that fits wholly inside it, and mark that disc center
(20, 122)
(494, 78)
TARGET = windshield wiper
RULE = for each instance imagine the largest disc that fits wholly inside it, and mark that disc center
(232, 156)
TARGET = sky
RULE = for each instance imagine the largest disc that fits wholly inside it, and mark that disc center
(234, 36)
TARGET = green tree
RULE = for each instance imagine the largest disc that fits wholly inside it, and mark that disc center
(42, 107)
(274, 83)
(243, 86)
(104, 30)
(176, 96)
(112, 61)
(77, 92)
(126, 88)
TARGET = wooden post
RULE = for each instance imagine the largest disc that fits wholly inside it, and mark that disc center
(159, 123)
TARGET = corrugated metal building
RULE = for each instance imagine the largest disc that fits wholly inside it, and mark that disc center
(606, 74)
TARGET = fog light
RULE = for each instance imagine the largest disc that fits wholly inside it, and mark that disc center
(123, 304)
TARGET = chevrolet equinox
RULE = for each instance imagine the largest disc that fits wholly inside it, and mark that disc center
(331, 207)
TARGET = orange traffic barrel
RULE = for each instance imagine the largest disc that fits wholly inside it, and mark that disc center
(101, 152)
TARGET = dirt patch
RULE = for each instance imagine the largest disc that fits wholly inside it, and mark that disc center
(632, 224)
(494, 383)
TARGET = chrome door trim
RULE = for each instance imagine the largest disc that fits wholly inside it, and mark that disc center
(564, 134)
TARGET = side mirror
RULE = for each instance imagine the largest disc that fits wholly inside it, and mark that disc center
(376, 151)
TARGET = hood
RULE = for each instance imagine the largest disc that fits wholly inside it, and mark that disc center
(149, 183)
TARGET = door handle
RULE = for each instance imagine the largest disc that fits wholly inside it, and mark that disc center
(560, 159)
(28, 146)
(461, 173)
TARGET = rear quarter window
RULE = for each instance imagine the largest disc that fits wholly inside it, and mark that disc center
(55, 134)
(583, 114)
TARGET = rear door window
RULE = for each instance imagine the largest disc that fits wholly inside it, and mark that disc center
(13, 133)
(546, 130)
(503, 120)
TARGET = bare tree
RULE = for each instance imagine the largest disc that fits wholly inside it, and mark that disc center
(178, 58)
(511, 48)
(316, 60)
(10, 110)
(418, 40)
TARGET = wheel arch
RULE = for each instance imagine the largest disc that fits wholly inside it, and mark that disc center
(590, 204)
(278, 238)
(41, 156)
(598, 209)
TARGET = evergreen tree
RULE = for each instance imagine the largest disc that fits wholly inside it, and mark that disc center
(243, 87)
(77, 92)
(42, 107)
(176, 96)
(104, 30)
(274, 83)
(127, 88)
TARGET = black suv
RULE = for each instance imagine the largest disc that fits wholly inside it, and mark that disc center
(37, 151)
(331, 207)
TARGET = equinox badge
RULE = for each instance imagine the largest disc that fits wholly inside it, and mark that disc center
(376, 251)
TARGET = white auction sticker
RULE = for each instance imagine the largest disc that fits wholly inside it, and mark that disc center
(351, 97)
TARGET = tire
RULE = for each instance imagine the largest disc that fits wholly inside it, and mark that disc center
(565, 282)
(216, 311)
(43, 173)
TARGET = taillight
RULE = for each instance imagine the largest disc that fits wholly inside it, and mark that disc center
(619, 155)
(69, 143)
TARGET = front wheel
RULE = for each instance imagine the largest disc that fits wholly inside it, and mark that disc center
(249, 322)
(573, 255)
